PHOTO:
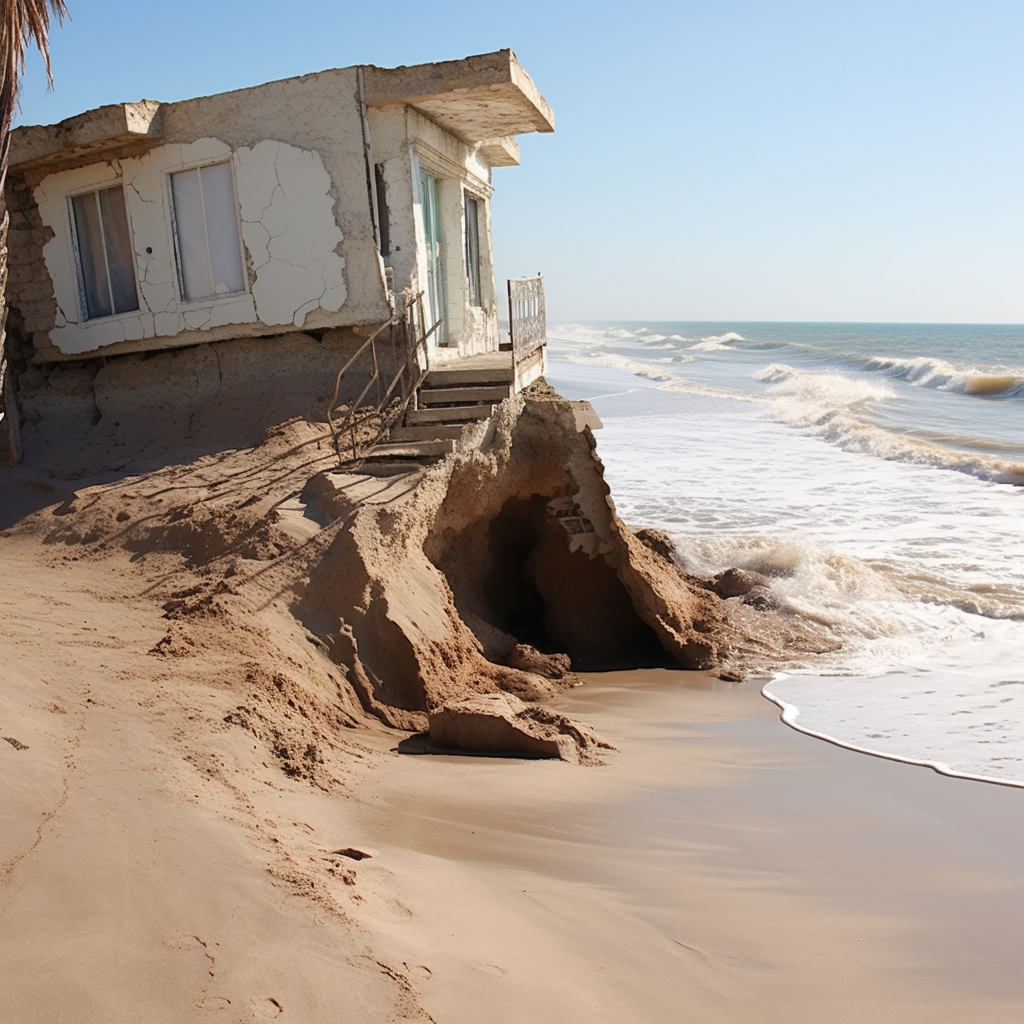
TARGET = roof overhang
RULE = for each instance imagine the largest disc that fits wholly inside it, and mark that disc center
(483, 100)
(480, 99)
(121, 129)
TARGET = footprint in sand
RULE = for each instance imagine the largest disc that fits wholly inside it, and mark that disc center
(212, 1004)
(266, 1008)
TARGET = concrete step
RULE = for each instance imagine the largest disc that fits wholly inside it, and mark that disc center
(427, 432)
(445, 377)
(413, 449)
(452, 396)
(460, 414)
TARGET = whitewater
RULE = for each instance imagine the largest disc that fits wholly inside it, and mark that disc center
(875, 473)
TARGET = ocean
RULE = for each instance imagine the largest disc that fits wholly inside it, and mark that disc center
(875, 472)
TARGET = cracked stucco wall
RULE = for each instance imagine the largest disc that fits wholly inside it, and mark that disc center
(287, 224)
(293, 239)
(317, 116)
(310, 127)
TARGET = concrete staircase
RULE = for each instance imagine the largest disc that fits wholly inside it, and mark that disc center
(450, 399)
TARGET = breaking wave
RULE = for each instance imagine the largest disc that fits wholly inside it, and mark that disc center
(716, 342)
(997, 382)
(881, 615)
(836, 407)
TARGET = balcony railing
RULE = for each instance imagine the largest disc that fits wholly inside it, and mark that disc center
(527, 318)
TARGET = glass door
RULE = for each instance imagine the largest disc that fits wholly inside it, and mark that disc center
(434, 297)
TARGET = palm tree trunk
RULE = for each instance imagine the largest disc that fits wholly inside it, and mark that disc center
(8, 402)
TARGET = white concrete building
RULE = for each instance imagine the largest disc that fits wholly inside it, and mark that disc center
(305, 205)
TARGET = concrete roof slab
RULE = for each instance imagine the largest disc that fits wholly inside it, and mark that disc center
(115, 130)
(478, 98)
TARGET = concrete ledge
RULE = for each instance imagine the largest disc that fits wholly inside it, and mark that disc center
(115, 130)
(481, 98)
(502, 152)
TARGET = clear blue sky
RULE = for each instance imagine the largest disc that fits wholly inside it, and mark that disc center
(718, 160)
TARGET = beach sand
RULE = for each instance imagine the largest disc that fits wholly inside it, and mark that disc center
(719, 867)
(158, 863)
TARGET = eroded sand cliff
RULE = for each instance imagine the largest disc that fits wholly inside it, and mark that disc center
(329, 599)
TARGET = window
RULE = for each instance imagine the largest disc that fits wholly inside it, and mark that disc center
(473, 250)
(436, 284)
(106, 262)
(206, 232)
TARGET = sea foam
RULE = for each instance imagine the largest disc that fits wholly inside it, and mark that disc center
(873, 609)
(831, 479)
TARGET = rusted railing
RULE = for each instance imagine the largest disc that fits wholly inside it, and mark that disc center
(527, 317)
(359, 427)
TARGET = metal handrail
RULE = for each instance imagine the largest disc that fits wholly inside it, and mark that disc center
(385, 410)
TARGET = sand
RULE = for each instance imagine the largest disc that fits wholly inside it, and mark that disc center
(719, 868)
(174, 812)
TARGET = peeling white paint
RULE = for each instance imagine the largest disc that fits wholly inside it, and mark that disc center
(287, 225)
(292, 235)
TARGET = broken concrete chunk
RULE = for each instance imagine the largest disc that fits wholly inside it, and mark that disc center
(732, 675)
(584, 416)
(503, 725)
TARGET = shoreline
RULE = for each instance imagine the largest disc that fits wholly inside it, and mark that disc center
(789, 714)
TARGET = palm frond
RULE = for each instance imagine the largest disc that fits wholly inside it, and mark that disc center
(22, 23)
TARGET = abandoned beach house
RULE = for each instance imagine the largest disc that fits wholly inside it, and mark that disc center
(333, 227)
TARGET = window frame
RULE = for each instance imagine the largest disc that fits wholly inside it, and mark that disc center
(76, 250)
(175, 243)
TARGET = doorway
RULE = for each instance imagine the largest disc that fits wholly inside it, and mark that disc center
(434, 296)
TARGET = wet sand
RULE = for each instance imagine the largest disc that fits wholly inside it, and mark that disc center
(720, 867)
